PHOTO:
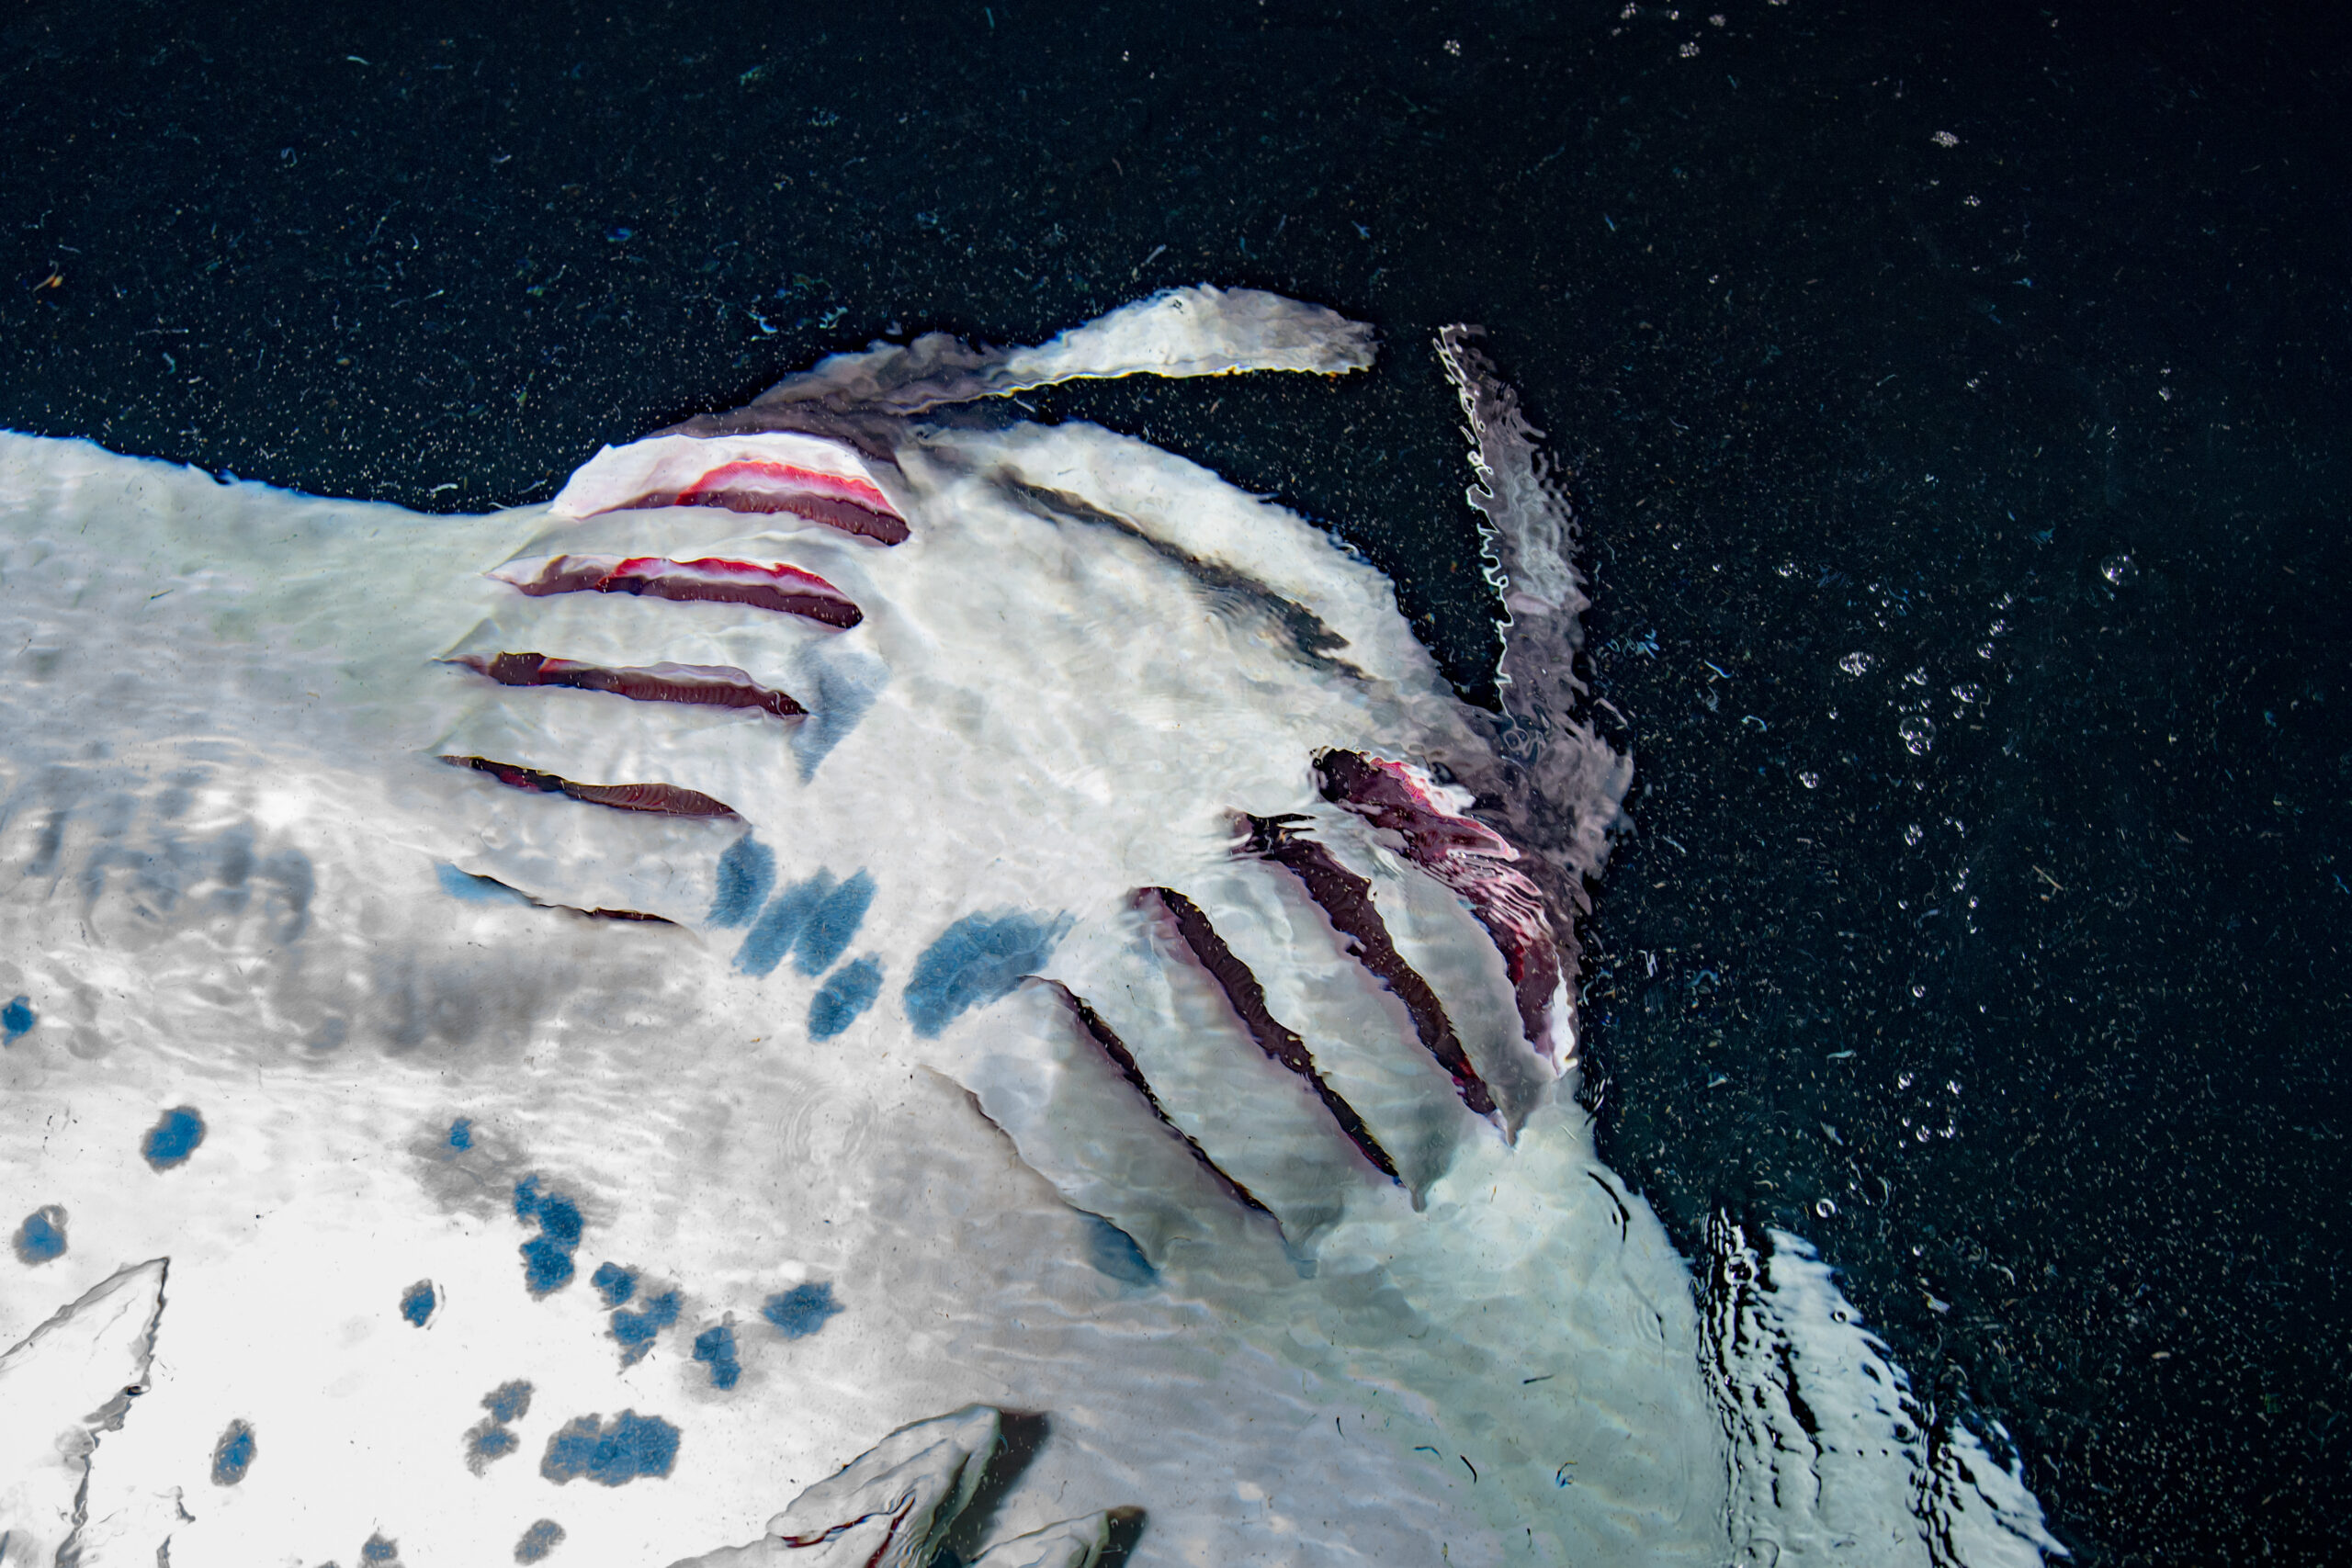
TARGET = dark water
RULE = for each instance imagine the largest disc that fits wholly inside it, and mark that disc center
(2049, 424)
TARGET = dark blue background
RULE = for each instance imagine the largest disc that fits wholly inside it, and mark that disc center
(1827, 386)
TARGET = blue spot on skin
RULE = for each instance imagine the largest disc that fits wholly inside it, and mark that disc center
(233, 1455)
(378, 1550)
(802, 1310)
(554, 1213)
(975, 961)
(462, 1132)
(417, 1302)
(840, 684)
(538, 1540)
(839, 1000)
(547, 1261)
(475, 889)
(636, 1330)
(42, 1235)
(632, 1445)
(714, 1348)
(779, 927)
(547, 1266)
(508, 1401)
(833, 925)
(746, 871)
(16, 1019)
(489, 1443)
(173, 1138)
(1114, 1252)
(613, 1283)
(489, 1439)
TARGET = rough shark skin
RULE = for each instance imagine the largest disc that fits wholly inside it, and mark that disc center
(909, 1092)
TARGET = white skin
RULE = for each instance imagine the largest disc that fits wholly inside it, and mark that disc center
(226, 830)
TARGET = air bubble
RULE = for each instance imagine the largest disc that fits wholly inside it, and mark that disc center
(1913, 833)
(2119, 568)
(1825, 1209)
(1810, 780)
(1856, 663)
(1918, 734)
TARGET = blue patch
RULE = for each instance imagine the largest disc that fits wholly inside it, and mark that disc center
(833, 925)
(16, 1019)
(613, 1283)
(636, 1330)
(233, 1455)
(1114, 1252)
(462, 1132)
(547, 1266)
(417, 1302)
(714, 1348)
(173, 1138)
(802, 1310)
(838, 685)
(780, 927)
(746, 871)
(487, 1443)
(538, 1540)
(839, 1000)
(380, 1550)
(42, 1235)
(547, 1261)
(475, 889)
(632, 1445)
(557, 1215)
(508, 1401)
(975, 961)
(489, 1439)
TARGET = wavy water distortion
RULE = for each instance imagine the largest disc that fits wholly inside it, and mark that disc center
(1478, 863)
(706, 685)
(663, 799)
(1112, 1046)
(1084, 972)
(1278, 1041)
(1346, 899)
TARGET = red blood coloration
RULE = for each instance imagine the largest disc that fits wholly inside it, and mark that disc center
(709, 581)
(852, 505)
(1476, 861)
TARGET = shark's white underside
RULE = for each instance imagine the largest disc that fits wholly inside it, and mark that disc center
(235, 876)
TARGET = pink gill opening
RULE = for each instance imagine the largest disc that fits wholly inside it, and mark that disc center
(710, 581)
